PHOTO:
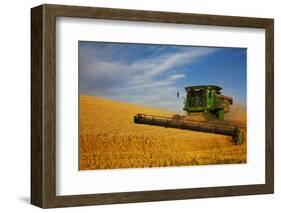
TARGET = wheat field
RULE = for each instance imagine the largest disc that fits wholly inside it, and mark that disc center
(110, 139)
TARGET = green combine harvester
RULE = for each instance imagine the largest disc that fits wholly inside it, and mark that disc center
(206, 100)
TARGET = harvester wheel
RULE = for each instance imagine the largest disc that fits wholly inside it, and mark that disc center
(238, 138)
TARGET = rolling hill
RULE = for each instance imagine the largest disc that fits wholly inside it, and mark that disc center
(110, 139)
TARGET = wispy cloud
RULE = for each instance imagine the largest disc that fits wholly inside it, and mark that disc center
(143, 74)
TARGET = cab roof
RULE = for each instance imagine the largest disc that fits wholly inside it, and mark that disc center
(206, 87)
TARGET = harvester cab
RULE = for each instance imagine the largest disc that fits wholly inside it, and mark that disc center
(207, 99)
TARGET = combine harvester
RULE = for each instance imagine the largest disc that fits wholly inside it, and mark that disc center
(207, 101)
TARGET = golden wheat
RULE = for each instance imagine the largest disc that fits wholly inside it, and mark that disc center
(110, 139)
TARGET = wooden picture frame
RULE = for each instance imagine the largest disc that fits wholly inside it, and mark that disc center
(43, 105)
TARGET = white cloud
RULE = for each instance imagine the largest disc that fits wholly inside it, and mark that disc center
(148, 81)
(176, 76)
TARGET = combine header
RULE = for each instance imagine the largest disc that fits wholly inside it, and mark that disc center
(206, 100)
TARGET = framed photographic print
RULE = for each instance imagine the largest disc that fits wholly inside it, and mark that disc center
(136, 106)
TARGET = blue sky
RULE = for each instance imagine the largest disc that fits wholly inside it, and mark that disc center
(151, 75)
